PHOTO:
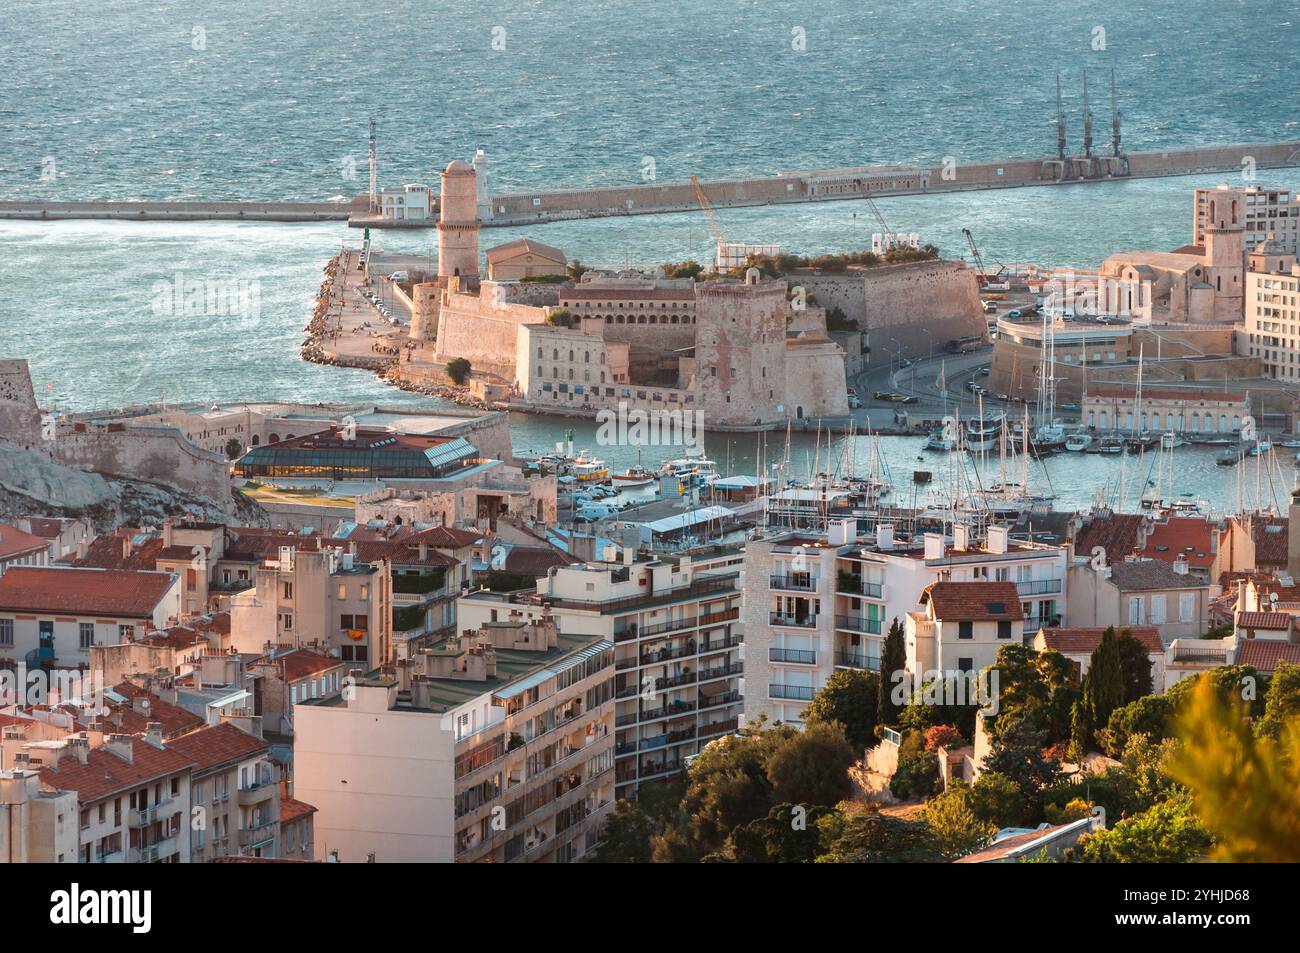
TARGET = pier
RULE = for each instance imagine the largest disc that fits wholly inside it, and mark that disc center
(784, 188)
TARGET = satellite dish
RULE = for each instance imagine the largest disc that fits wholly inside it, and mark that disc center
(144, 703)
(1272, 597)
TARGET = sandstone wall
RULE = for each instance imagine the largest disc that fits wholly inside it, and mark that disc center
(20, 418)
(485, 336)
(814, 380)
(159, 455)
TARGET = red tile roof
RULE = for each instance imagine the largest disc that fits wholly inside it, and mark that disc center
(110, 551)
(1272, 537)
(218, 746)
(445, 537)
(1271, 621)
(1116, 533)
(291, 809)
(174, 719)
(536, 560)
(974, 601)
(105, 774)
(1082, 641)
(300, 663)
(176, 637)
(14, 542)
(1265, 655)
(47, 527)
(1190, 537)
(626, 294)
(103, 592)
(401, 553)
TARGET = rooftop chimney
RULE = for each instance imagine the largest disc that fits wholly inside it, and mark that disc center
(884, 535)
(424, 552)
(122, 746)
(1180, 566)
(960, 537)
(842, 532)
(153, 734)
(934, 546)
(997, 542)
(167, 531)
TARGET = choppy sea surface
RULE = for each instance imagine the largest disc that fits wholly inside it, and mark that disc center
(250, 99)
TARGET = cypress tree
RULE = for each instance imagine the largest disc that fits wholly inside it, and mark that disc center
(893, 658)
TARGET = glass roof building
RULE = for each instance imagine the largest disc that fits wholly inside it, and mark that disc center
(367, 456)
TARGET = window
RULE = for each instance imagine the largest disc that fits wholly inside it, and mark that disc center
(1135, 610)
(1186, 606)
(1158, 609)
(6, 631)
(86, 634)
(965, 664)
(1004, 628)
(965, 630)
(126, 633)
(288, 590)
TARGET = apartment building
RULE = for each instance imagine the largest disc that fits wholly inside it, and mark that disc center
(36, 826)
(1264, 212)
(675, 623)
(235, 793)
(1272, 310)
(52, 616)
(132, 796)
(816, 603)
(288, 676)
(325, 599)
(496, 745)
(20, 548)
(961, 627)
(1166, 596)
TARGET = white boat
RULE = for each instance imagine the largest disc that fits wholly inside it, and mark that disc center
(587, 469)
(698, 470)
(937, 441)
(1078, 442)
(1259, 448)
(1289, 444)
(1111, 444)
(983, 434)
(634, 477)
(1170, 440)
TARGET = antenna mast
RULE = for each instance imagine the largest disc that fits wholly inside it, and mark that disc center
(374, 170)
(1087, 120)
(1060, 122)
(1114, 118)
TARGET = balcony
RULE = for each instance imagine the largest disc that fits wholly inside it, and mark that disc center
(718, 644)
(675, 681)
(1038, 587)
(719, 728)
(256, 793)
(700, 587)
(792, 620)
(860, 660)
(859, 624)
(157, 851)
(722, 671)
(674, 625)
(795, 583)
(667, 711)
(794, 656)
(851, 585)
(803, 693)
(666, 654)
(156, 812)
(717, 618)
(660, 768)
(262, 832)
(713, 701)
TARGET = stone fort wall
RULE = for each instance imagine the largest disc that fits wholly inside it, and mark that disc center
(153, 454)
(907, 309)
(20, 418)
(484, 334)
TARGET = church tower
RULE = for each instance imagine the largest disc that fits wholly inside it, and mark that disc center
(458, 223)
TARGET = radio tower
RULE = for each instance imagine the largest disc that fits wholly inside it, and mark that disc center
(1114, 118)
(374, 170)
(1087, 120)
(1060, 122)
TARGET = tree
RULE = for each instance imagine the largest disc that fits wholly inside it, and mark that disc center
(626, 837)
(560, 318)
(1034, 687)
(861, 837)
(1018, 754)
(788, 835)
(1080, 731)
(576, 269)
(233, 448)
(995, 798)
(954, 829)
(943, 736)
(727, 787)
(1282, 706)
(850, 699)
(1242, 784)
(893, 660)
(458, 369)
(1167, 833)
(1232, 683)
(1119, 672)
(685, 269)
(811, 766)
(917, 774)
(1149, 717)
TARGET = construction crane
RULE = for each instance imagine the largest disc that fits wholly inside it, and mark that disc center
(875, 209)
(980, 271)
(715, 229)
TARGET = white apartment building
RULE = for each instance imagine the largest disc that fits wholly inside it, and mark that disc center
(409, 203)
(817, 603)
(1263, 211)
(961, 627)
(493, 746)
(36, 826)
(675, 625)
(1272, 310)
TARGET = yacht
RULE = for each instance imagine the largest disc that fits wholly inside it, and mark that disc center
(1078, 442)
(1112, 443)
(983, 434)
(633, 477)
(587, 469)
(1170, 440)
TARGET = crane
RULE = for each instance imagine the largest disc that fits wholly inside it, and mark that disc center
(715, 229)
(875, 209)
(980, 271)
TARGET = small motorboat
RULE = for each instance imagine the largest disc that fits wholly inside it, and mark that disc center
(1226, 458)
(1111, 444)
(1078, 442)
(635, 476)
(1259, 448)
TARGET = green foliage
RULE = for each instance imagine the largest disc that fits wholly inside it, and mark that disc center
(901, 253)
(996, 799)
(1149, 717)
(498, 580)
(917, 775)
(1232, 683)
(849, 699)
(1034, 688)
(1073, 810)
(873, 838)
(408, 617)
(1243, 784)
(1119, 673)
(837, 320)
(458, 369)
(683, 269)
(560, 318)
(626, 836)
(1167, 833)
(943, 736)
(233, 448)
(787, 835)
(1018, 754)
(1282, 705)
(893, 660)
(576, 269)
(955, 830)
(812, 766)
